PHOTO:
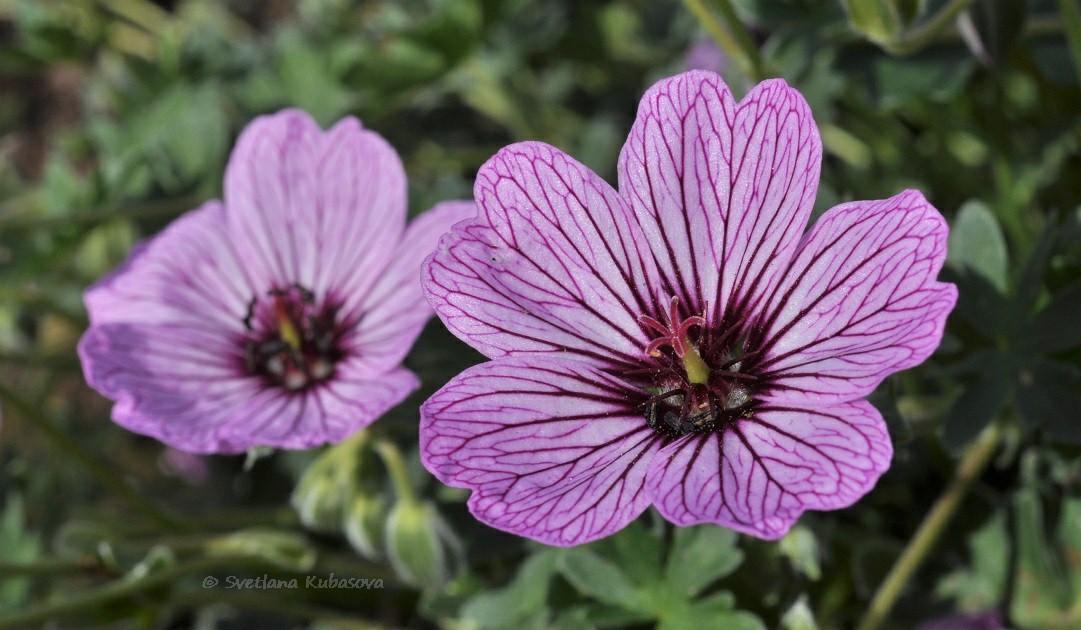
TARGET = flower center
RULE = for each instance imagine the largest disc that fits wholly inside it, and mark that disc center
(698, 377)
(292, 341)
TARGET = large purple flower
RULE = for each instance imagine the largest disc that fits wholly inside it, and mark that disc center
(281, 316)
(681, 342)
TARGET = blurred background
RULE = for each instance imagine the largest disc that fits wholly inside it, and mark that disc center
(116, 116)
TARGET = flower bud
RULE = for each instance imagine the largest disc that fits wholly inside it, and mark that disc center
(323, 492)
(420, 545)
(878, 20)
(288, 550)
(365, 524)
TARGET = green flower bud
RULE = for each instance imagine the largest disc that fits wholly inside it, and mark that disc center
(288, 550)
(321, 496)
(877, 20)
(420, 545)
(365, 524)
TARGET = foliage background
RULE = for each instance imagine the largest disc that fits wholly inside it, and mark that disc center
(118, 115)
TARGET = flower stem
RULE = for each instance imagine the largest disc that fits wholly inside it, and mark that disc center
(395, 464)
(970, 468)
(732, 35)
(69, 447)
(36, 616)
(1071, 17)
(912, 40)
(49, 567)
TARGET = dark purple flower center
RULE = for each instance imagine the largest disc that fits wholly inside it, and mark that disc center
(700, 377)
(293, 340)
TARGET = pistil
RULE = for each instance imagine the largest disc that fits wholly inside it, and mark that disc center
(675, 335)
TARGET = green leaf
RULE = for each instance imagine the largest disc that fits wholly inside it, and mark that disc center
(1042, 590)
(978, 246)
(799, 616)
(718, 611)
(1048, 397)
(983, 584)
(1055, 328)
(995, 26)
(980, 403)
(638, 551)
(877, 20)
(522, 599)
(16, 545)
(937, 73)
(801, 549)
(700, 556)
(600, 579)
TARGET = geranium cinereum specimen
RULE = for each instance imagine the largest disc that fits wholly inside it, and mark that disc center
(280, 316)
(680, 342)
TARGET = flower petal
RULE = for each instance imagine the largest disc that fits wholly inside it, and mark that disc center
(761, 474)
(189, 274)
(325, 414)
(391, 315)
(860, 300)
(323, 209)
(554, 263)
(548, 447)
(186, 387)
(723, 191)
(179, 384)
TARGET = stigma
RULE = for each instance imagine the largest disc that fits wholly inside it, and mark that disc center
(675, 334)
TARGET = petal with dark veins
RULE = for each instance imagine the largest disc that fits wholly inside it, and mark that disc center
(759, 475)
(723, 190)
(860, 300)
(548, 447)
(555, 263)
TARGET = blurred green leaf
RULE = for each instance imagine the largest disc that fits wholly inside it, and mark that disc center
(981, 402)
(522, 600)
(700, 556)
(1042, 592)
(717, 611)
(17, 545)
(977, 245)
(982, 585)
(1055, 328)
(599, 578)
(877, 20)
(1048, 397)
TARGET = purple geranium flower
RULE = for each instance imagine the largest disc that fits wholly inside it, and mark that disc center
(681, 342)
(280, 316)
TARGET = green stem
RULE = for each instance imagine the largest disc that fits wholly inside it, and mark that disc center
(395, 464)
(912, 40)
(96, 599)
(1071, 16)
(970, 468)
(69, 447)
(64, 362)
(731, 35)
(48, 567)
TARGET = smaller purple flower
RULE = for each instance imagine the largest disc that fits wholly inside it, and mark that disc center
(280, 316)
(683, 341)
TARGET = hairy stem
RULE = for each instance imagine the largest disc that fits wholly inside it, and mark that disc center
(70, 448)
(49, 567)
(970, 468)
